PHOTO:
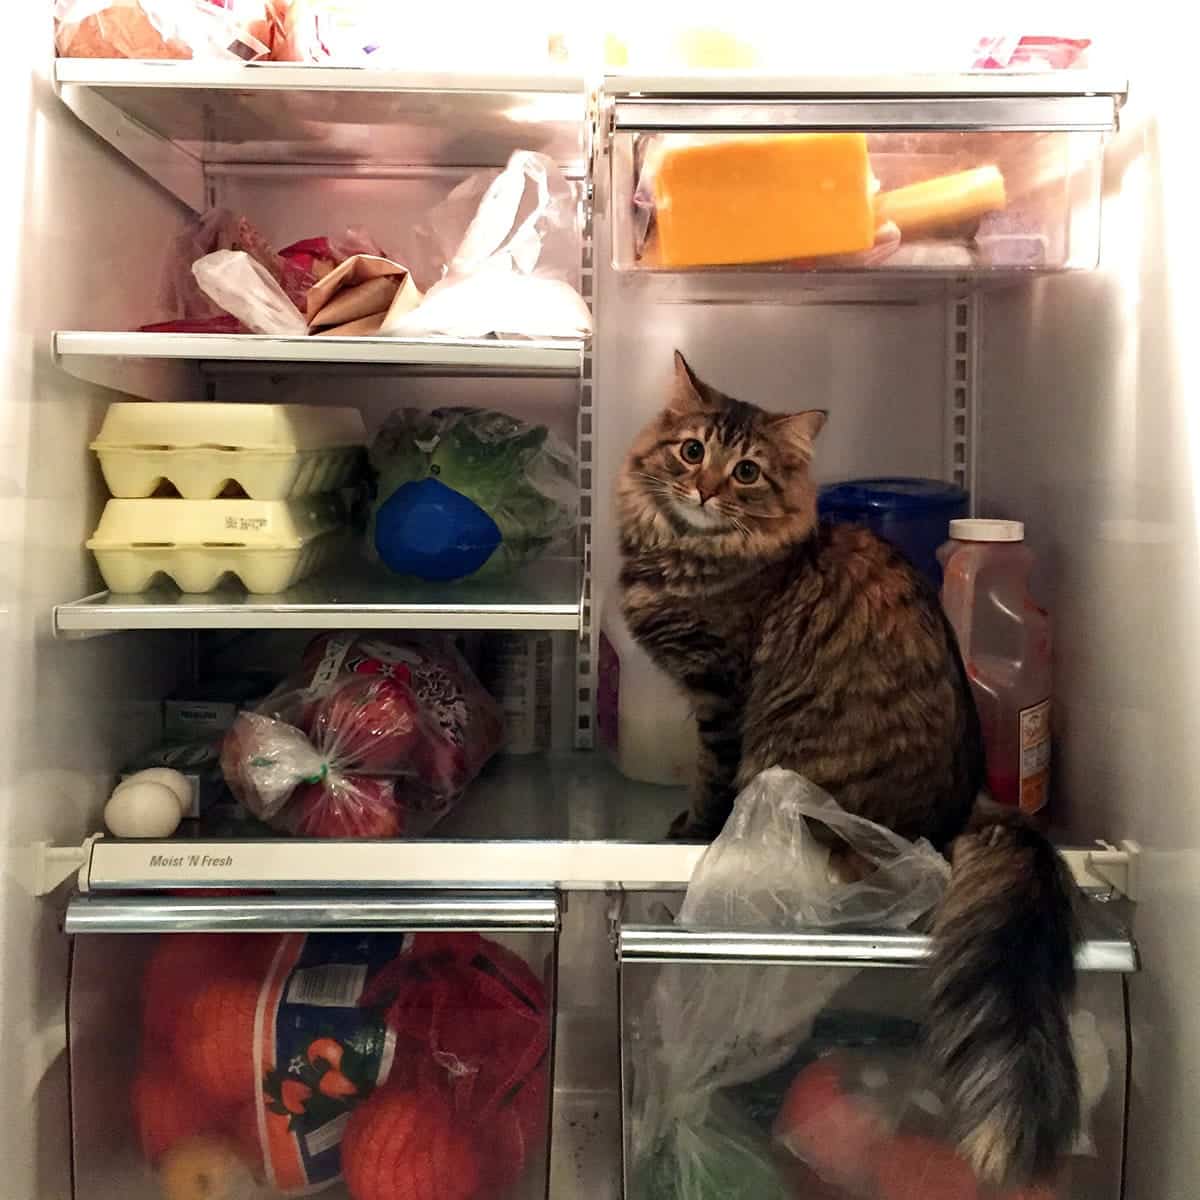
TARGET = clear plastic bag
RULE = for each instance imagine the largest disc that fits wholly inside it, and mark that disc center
(717, 1027)
(374, 737)
(237, 30)
(464, 490)
(508, 272)
(245, 289)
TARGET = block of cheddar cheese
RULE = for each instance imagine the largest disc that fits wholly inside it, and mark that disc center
(942, 204)
(763, 199)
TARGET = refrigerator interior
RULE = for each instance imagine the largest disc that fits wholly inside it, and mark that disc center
(1076, 421)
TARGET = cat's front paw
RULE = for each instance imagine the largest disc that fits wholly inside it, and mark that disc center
(685, 828)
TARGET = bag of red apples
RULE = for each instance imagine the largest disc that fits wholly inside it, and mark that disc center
(376, 736)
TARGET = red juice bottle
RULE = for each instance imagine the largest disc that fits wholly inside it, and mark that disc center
(1005, 642)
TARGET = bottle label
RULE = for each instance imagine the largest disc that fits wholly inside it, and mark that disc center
(1035, 757)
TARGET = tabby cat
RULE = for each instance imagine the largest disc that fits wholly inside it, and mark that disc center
(818, 648)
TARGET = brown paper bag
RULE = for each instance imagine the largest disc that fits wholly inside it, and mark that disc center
(361, 287)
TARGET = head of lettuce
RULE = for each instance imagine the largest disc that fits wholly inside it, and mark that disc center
(466, 492)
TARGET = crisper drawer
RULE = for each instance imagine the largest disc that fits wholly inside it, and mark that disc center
(943, 185)
(789, 1067)
(245, 1048)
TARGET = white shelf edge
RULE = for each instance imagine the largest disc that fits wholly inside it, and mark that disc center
(94, 614)
(418, 863)
(194, 73)
(481, 355)
(720, 84)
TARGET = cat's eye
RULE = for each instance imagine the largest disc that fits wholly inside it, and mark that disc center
(746, 471)
(692, 451)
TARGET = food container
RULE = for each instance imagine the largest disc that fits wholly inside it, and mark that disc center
(387, 1045)
(268, 544)
(912, 514)
(270, 451)
(839, 200)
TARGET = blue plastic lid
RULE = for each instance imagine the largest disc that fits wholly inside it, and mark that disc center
(901, 495)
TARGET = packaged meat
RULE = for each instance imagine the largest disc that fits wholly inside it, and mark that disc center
(270, 451)
(268, 544)
(373, 737)
(237, 30)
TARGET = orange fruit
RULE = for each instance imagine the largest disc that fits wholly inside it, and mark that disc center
(918, 1168)
(215, 1048)
(243, 1132)
(182, 962)
(167, 1111)
(405, 1145)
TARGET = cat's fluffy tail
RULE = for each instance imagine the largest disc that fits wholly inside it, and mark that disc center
(1003, 978)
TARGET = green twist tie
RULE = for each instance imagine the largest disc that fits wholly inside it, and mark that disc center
(319, 778)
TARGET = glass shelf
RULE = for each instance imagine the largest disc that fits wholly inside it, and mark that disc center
(545, 595)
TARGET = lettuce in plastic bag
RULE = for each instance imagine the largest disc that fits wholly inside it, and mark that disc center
(464, 490)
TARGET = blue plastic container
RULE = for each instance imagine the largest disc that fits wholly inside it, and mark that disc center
(913, 514)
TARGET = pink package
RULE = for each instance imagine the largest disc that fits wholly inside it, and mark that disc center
(1006, 52)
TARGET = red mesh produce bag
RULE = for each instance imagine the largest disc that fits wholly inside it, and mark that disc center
(472, 1024)
(374, 737)
(407, 1145)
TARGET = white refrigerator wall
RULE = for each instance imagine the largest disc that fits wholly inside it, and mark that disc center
(1090, 432)
(79, 225)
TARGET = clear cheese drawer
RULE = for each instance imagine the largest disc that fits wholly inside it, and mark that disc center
(796, 186)
(790, 1066)
(369, 1049)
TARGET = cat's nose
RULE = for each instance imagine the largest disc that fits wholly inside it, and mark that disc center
(704, 496)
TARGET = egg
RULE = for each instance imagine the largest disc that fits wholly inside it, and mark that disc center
(141, 808)
(175, 780)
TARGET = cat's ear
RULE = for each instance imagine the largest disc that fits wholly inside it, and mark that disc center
(689, 393)
(800, 429)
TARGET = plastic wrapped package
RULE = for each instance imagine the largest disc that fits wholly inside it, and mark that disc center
(375, 736)
(244, 288)
(185, 305)
(719, 1028)
(508, 270)
(225, 29)
(464, 490)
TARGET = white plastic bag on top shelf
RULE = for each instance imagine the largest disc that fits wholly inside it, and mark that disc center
(244, 288)
(509, 272)
(716, 1027)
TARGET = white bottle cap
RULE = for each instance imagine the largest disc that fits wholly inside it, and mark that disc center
(975, 529)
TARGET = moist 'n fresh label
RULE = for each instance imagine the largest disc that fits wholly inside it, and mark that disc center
(1035, 757)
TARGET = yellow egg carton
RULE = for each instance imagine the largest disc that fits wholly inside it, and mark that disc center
(268, 544)
(270, 451)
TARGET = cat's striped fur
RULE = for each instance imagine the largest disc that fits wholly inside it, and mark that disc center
(818, 648)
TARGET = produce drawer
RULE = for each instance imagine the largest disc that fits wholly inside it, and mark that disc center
(261, 1046)
(790, 1065)
(939, 184)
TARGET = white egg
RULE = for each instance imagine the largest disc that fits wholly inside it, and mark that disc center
(141, 808)
(177, 782)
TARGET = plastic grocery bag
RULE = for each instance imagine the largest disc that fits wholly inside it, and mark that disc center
(463, 490)
(237, 30)
(375, 736)
(509, 272)
(244, 288)
(717, 1027)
